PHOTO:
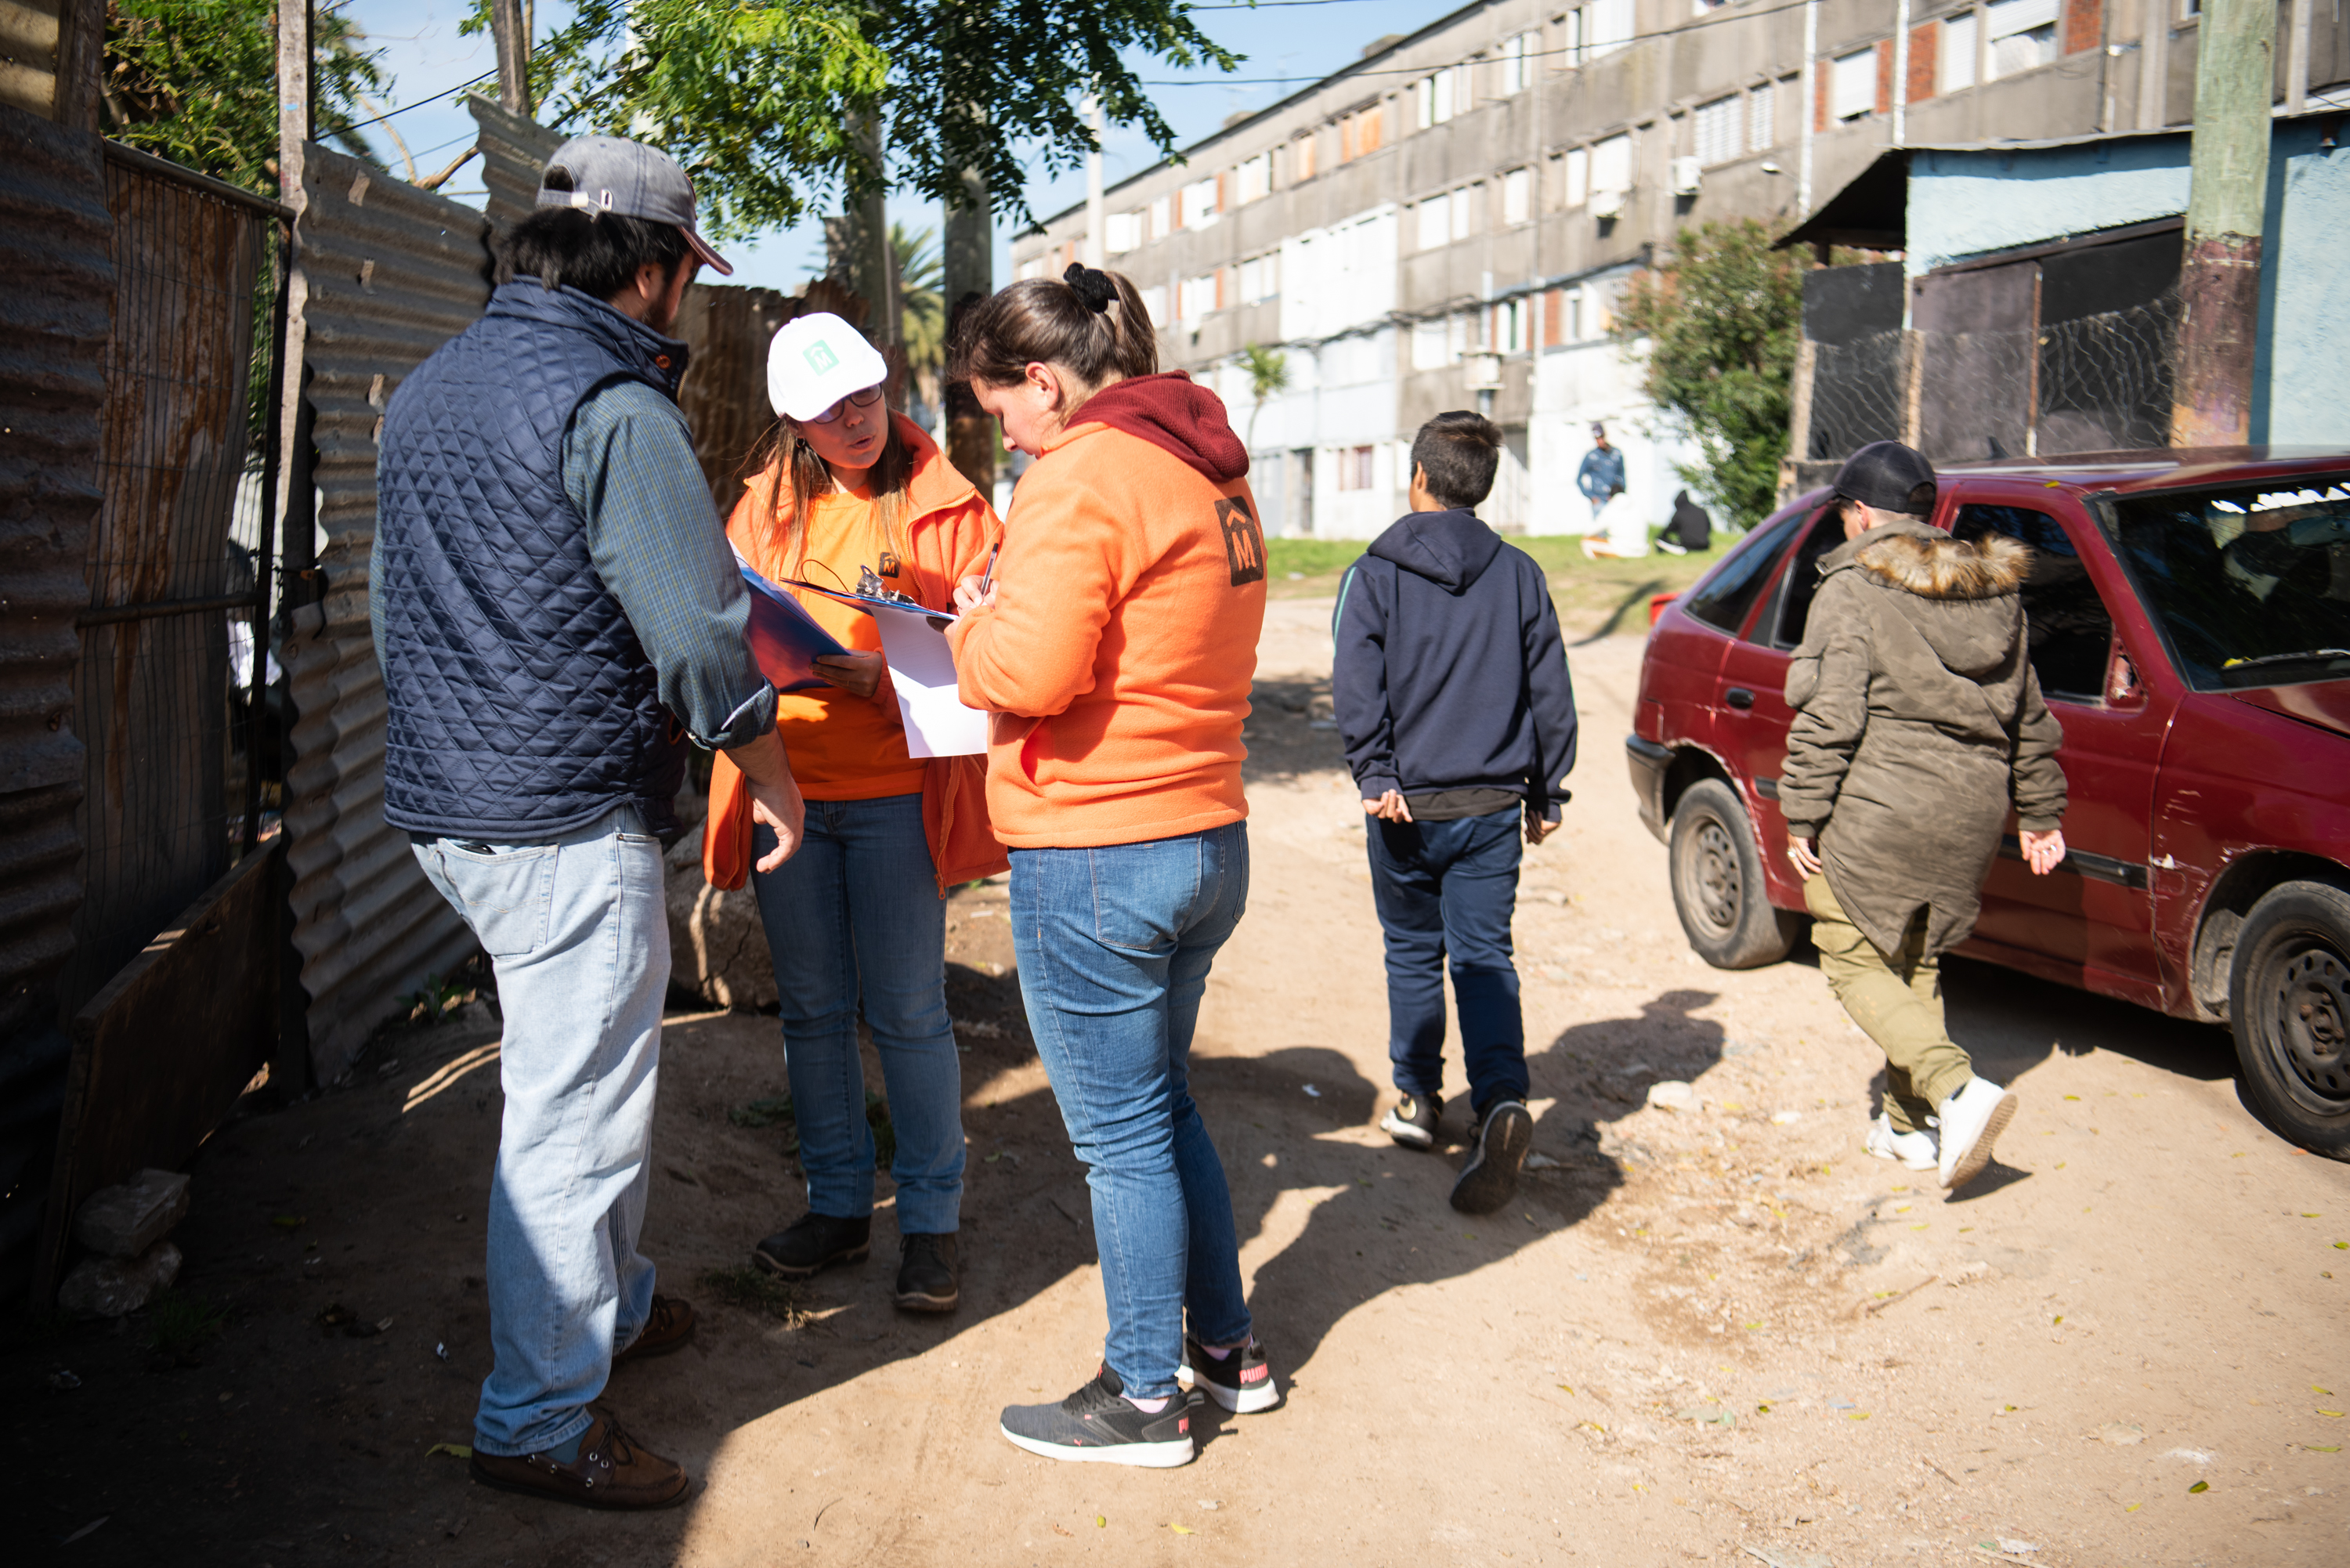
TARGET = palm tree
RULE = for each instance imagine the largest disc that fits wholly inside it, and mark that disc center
(1268, 374)
(922, 306)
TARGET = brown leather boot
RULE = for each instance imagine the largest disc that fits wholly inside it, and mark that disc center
(611, 1471)
(667, 1328)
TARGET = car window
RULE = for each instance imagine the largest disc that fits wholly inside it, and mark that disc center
(2251, 585)
(1801, 584)
(1727, 593)
(2071, 633)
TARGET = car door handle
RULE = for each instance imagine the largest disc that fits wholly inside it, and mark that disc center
(1739, 698)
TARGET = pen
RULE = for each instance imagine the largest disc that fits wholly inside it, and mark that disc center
(987, 577)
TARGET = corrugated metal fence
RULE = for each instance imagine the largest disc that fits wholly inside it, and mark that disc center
(393, 272)
(54, 237)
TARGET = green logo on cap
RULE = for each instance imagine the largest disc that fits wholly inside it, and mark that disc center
(820, 357)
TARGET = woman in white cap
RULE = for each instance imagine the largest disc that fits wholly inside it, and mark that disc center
(857, 919)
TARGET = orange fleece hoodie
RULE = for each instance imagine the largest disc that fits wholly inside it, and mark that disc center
(1119, 650)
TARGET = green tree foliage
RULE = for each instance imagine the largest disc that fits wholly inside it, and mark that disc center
(922, 306)
(195, 81)
(762, 101)
(1724, 319)
(1268, 374)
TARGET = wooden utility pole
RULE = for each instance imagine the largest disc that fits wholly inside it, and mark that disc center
(969, 278)
(293, 139)
(512, 33)
(2220, 274)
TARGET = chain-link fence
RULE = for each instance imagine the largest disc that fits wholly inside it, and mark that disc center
(2105, 380)
(1857, 395)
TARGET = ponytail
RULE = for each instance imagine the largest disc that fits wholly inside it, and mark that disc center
(1090, 326)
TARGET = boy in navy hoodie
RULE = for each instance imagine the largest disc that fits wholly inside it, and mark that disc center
(1452, 698)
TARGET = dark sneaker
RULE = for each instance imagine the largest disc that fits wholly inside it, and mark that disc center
(926, 1274)
(669, 1327)
(814, 1242)
(1242, 1382)
(611, 1471)
(1095, 1425)
(1412, 1120)
(1503, 1135)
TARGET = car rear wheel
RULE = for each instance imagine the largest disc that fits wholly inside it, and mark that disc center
(2289, 1003)
(1718, 888)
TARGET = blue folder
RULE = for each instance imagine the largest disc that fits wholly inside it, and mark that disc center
(785, 641)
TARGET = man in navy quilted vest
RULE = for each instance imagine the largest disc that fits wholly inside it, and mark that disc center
(557, 613)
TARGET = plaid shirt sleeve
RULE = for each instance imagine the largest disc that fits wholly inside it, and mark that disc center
(656, 540)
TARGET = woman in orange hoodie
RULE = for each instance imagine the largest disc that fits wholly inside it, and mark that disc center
(858, 915)
(1115, 644)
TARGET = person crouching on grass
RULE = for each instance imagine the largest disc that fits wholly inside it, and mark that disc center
(856, 919)
(1116, 645)
(1919, 721)
(1452, 697)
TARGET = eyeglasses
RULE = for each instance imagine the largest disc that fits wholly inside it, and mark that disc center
(863, 399)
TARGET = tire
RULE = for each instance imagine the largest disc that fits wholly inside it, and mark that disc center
(1718, 888)
(2289, 1006)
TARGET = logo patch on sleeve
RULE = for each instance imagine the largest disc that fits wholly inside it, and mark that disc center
(1243, 542)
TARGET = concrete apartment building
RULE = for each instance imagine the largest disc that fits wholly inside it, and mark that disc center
(1449, 222)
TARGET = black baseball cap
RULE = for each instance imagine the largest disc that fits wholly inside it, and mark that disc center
(607, 174)
(1888, 476)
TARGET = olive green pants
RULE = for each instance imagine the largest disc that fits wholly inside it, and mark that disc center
(1896, 1000)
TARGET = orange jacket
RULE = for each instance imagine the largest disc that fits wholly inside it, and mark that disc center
(1118, 654)
(947, 538)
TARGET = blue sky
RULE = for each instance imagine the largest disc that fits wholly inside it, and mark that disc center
(424, 56)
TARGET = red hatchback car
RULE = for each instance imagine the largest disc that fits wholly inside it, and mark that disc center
(2190, 621)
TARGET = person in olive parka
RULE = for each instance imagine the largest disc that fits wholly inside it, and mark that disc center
(1919, 722)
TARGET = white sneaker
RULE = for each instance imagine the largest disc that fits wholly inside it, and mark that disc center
(1913, 1149)
(1971, 1121)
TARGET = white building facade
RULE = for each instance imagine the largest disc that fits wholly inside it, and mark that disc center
(1450, 222)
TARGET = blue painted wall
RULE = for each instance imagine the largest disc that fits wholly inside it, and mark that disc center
(1968, 203)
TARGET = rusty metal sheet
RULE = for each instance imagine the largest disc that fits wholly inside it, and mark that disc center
(513, 150)
(54, 317)
(393, 272)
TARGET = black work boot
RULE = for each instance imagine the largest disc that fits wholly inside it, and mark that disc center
(927, 1275)
(814, 1242)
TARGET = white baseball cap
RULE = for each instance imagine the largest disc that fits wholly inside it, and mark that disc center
(817, 361)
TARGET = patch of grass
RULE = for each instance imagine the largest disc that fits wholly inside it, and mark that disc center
(180, 1323)
(755, 1290)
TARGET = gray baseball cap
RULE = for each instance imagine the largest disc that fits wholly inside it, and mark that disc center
(604, 173)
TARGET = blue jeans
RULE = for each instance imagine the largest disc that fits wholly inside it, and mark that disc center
(856, 915)
(577, 932)
(1451, 886)
(1114, 946)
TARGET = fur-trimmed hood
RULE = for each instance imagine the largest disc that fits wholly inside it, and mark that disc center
(1937, 567)
(1962, 597)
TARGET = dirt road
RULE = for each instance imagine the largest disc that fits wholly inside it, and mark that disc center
(1719, 1336)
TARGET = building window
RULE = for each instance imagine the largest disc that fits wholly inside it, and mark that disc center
(1435, 223)
(1851, 84)
(2022, 35)
(1033, 267)
(1715, 126)
(1154, 304)
(1957, 50)
(1428, 346)
(1122, 232)
(1436, 99)
(1611, 166)
(1301, 158)
(1359, 134)
(1607, 27)
(1762, 118)
(1260, 278)
(1510, 326)
(1196, 296)
(1255, 178)
(1518, 63)
(1161, 222)
(1578, 177)
(1517, 196)
(1198, 204)
(1353, 468)
(1467, 203)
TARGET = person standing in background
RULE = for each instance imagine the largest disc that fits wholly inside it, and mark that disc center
(1602, 474)
(557, 615)
(856, 922)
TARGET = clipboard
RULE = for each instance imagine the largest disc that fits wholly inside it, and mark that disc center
(940, 619)
(785, 641)
(921, 673)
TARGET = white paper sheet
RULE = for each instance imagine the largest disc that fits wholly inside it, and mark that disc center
(923, 670)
